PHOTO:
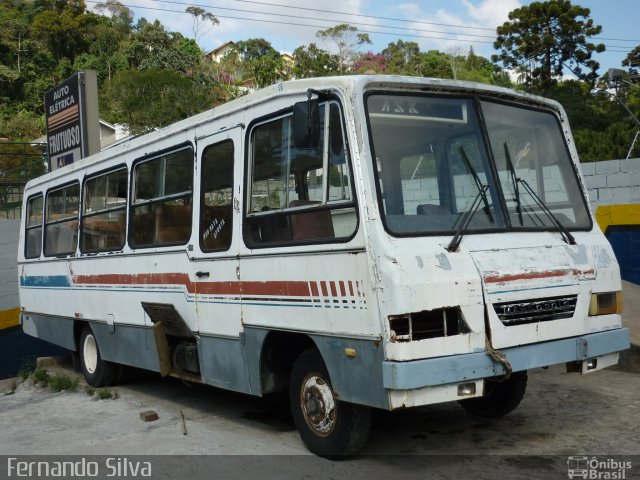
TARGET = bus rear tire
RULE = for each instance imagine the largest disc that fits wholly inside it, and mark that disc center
(501, 397)
(328, 427)
(97, 372)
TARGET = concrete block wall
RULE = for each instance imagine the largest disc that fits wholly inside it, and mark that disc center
(613, 182)
(8, 268)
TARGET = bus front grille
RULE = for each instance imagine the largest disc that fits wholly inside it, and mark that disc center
(534, 311)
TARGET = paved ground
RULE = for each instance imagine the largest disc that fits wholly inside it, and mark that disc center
(562, 415)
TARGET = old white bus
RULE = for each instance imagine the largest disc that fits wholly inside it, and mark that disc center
(362, 241)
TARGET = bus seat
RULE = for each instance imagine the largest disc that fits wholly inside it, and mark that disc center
(172, 223)
(432, 209)
(311, 225)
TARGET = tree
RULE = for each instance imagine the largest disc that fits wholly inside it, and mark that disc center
(150, 99)
(403, 58)
(370, 63)
(260, 61)
(545, 38)
(62, 25)
(203, 22)
(632, 60)
(311, 61)
(347, 40)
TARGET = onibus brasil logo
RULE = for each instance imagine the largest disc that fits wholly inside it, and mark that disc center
(593, 468)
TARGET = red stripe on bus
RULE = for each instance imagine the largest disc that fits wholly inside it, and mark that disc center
(282, 288)
(536, 275)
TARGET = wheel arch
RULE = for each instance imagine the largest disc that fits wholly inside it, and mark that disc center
(279, 350)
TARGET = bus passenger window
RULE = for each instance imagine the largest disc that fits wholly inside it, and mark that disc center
(33, 234)
(104, 212)
(216, 203)
(162, 197)
(299, 194)
(61, 226)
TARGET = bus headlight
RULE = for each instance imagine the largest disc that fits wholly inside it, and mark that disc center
(605, 303)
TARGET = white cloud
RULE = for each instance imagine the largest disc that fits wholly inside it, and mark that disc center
(474, 24)
(286, 35)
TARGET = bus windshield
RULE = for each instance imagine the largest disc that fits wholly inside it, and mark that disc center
(434, 163)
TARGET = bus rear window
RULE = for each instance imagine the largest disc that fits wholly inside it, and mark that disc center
(61, 227)
(33, 233)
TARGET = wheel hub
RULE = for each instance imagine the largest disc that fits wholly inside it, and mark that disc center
(90, 354)
(318, 405)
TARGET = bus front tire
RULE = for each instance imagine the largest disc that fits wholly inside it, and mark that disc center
(501, 397)
(97, 372)
(329, 428)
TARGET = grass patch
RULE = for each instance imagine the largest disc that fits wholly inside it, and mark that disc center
(106, 394)
(89, 390)
(27, 367)
(60, 382)
(40, 376)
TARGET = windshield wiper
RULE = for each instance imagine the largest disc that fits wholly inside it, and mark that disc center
(514, 179)
(481, 187)
(566, 235)
(466, 219)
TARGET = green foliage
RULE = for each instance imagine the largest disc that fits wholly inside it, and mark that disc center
(614, 142)
(543, 38)
(347, 40)
(106, 394)
(632, 60)
(61, 382)
(149, 99)
(312, 61)
(260, 61)
(27, 367)
(149, 76)
(40, 376)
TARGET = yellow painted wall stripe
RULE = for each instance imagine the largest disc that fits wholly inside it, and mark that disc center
(607, 215)
(9, 318)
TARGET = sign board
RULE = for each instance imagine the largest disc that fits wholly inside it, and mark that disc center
(73, 130)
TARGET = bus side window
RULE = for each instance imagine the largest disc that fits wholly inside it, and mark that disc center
(216, 202)
(61, 222)
(104, 212)
(299, 194)
(33, 233)
(162, 196)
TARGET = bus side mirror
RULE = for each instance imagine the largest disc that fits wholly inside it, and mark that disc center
(306, 124)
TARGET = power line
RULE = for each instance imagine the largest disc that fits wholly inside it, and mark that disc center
(322, 19)
(394, 19)
(376, 32)
(610, 48)
(363, 15)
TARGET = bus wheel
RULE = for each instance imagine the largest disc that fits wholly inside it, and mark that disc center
(328, 427)
(500, 397)
(97, 372)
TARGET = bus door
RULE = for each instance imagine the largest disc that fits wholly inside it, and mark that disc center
(215, 266)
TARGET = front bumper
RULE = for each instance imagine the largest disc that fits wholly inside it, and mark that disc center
(454, 369)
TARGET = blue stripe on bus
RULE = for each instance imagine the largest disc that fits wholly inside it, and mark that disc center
(45, 281)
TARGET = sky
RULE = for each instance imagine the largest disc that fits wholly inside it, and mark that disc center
(446, 25)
